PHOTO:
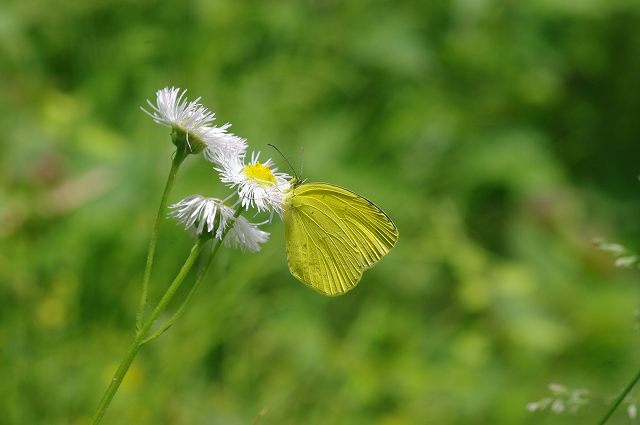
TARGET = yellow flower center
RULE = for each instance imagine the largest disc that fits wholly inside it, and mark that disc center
(260, 173)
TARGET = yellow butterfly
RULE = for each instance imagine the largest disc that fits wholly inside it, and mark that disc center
(333, 235)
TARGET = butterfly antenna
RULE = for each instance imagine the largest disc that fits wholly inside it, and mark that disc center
(287, 161)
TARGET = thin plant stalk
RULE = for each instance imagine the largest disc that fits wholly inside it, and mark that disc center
(201, 275)
(616, 403)
(141, 333)
(178, 158)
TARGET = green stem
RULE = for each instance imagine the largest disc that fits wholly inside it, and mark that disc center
(192, 291)
(116, 381)
(178, 158)
(195, 251)
(137, 343)
(141, 333)
(616, 403)
(194, 288)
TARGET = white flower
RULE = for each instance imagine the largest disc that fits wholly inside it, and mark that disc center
(173, 110)
(223, 145)
(189, 120)
(246, 235)
(260, 185)
(200, 214)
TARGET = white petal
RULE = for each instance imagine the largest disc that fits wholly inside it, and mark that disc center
(246, 235)
(173, 109)
(252, 193)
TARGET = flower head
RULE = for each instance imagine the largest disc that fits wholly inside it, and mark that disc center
(259, 184)
(223, 145)
(202, 215)
(191, 123)
(246, 235)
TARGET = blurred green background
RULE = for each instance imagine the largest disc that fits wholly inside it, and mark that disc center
(501, 137)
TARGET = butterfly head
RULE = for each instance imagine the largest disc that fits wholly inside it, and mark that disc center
(295, 182)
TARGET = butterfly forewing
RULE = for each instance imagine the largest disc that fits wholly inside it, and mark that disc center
(333, 235)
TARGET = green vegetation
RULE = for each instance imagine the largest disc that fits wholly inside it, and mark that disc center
(501, 137)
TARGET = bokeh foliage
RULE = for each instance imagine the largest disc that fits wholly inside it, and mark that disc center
(500, 136)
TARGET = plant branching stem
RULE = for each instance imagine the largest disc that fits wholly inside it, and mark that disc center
(201, 275)
(182, 308)
(142, 332)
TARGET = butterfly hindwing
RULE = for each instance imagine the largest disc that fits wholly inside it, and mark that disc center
(333, 235)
